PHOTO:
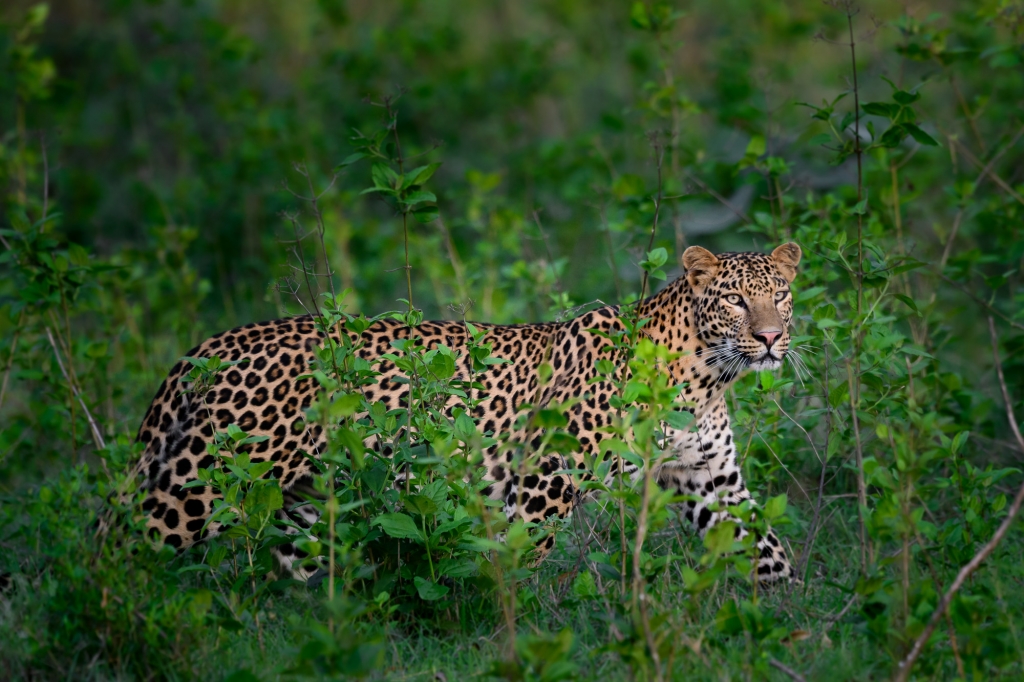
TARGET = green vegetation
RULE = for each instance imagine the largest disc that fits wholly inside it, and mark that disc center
(512, 162)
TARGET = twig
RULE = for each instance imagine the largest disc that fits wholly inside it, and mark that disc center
(1002, 384)
(10, 357)
(981, 176)
(778, 665)
(983, 303)
(725, 202)
(988, 171)
(862, 498)
(903, 671)
(46, 177)
(97, 436)
(812, 533)
(832, 620)
(659, 156)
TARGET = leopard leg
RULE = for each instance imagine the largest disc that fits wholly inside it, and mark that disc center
(536, 495)
(706, 467)
(298, 515)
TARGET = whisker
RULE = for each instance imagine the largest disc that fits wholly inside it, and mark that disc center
(799, 366)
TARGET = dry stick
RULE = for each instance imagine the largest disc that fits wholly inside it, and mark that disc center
(46, 177)
(988, 171)
(659, 155)
(639, 591)
(547, 250)
(983, 303)
(10, 357)
(813, 532)
(854, 401)
(725, 202)
(778, 665)
(96, 435)
(453, 256)
(611, 253)
(862, 498)
(981, 176)
(971, 120)
(970, 567)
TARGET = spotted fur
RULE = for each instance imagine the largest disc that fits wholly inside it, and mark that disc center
(728, 313)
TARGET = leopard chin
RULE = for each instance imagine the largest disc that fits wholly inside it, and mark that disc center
(766, 362)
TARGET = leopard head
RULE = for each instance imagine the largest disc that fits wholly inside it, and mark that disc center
(742, 306)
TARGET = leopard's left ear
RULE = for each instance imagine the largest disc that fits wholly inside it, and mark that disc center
(786, 258)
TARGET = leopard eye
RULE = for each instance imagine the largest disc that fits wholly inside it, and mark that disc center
(735, 299)
(781, 295)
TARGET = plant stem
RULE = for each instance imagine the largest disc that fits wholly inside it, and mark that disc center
(862, 501)
(97, 436)
(10, 357)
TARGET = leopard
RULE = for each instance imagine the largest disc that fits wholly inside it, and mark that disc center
(724, 315)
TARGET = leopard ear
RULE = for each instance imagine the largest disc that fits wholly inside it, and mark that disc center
(701, 266)
(786, 258)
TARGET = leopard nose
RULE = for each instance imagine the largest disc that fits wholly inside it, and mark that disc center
(767, 337)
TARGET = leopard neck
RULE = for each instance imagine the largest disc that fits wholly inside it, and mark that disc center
(706, 366)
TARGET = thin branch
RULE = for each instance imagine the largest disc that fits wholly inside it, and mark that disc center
(10, 357)
(987, 171)
(905, 666)
(812, 533)
(981, 176)
(983, 303)
(97, 436)
(1002, 384)
(862, 498)
(659, 157)
(778, 665)
(725, 202)
(46, 177)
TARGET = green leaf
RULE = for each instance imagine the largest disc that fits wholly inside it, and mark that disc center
(458, 568)
(426, 214)
(756, 147)
(585, 587)
(544, 372)
(419, 504)
(400, 526)
(860, 208)
(775, 507)
(383, 176)
(429, 590)
(911, 349)
(420, 196)
(903, 97)
(264, 498)
(235, 433)
(465, 427)
(638, 16)
(909, 301)
(720, 538)
(883, 109)
(958, 441)
(892, 137)
(349, 160)
(679, 419)
(658, 257)
(418, 176)
(920, 136)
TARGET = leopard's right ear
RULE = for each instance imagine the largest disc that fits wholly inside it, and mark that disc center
(701, 266)
(786, 258)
